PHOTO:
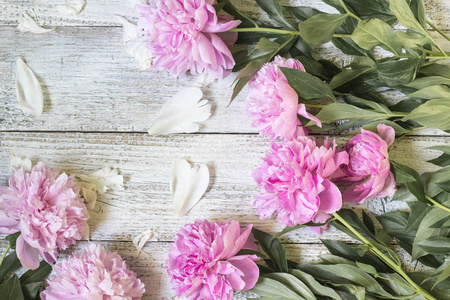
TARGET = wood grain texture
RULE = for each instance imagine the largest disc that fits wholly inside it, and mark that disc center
(146, 163)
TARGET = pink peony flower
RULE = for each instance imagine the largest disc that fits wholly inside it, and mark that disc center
(273, 103)
(46, 208)
(93, 274)
(294, 177)
(188, 35)
(203, 263)
(369, 167)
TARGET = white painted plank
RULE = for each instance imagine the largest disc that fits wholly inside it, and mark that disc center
(100, 13)
(146, 163)
(91, 84)
(150, 268)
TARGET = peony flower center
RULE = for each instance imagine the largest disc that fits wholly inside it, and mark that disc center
(364, 159)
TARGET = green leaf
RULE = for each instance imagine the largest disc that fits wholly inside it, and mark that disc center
(313, 67)
(444, 275)
(403, 194)
(374, 32)
(291, 228)
(273, 10)
(272, 248)
(411, 40)
(433, 114)
(412, 180)
(432, 92)
(314, 285)
(398, 72)
(12, 239)
(293, 283)
(427, 81)
(437, 245)
(363, 103)
(308, 86)
(341, 111)
(238, 15)
(10, 290)
(303, 12)
(349, 74)
(10, 264)
(31, 290)
(436, 70)
(353, 253)
(444, 159)
(404, 14)
(398, 284)
(418, 9)
(425, 231)
(445, 186)
(266, 287)
(36, 275)
(366, 268)
(347, 46)
(319, 29)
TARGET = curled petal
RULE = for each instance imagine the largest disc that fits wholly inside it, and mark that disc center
(27, 23)
(28, 90)
(28, 256)
(387, 133)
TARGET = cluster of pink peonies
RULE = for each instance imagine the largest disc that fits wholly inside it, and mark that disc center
(273, 103)
(295, 177)
(93, 274)
(203, 261)
(47, 210)
(299, 176)
(188, 35)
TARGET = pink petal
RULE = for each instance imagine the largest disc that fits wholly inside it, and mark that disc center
(206, 50)
(246, 264)
(28, 256)
(330, 198)
(229, 240)
(302, 112)
(387, 133)
(389, 187)
(221, 27)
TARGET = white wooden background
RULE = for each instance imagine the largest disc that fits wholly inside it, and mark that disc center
(98, 106)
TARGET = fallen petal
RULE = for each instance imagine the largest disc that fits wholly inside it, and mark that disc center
(28, 90)
(18, 162)
(28, 24)
(72, 7)
(187, 185)
(181, 113)
(140, 240)
(130, 31)
(104, 180)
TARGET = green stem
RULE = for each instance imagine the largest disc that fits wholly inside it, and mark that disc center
(348, 12)
(437, 204)
(4, 254)
(314, 105)
(438, 30)
(384, 258)
(268, 30)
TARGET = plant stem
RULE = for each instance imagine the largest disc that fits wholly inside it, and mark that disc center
(4, 254)
(315, 105)
(384, 258)
(437, 204)
(348, 12)
(268, 30)
(438, 30)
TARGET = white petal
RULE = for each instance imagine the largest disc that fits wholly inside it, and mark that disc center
(27, 23)
(139, 50)
(104, 179)
(187, 185)
(19, 162)
(72, 7)
(204, 80)
(89, 193)
(181, 113)
(28, 90)
(140, 240)
(130, 31)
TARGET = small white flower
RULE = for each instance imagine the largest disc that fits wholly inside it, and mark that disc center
(28, 24)
(18, 162)
(28, 90)
(182, 112)
(104, 179)
(187, 185)
(140, 240)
